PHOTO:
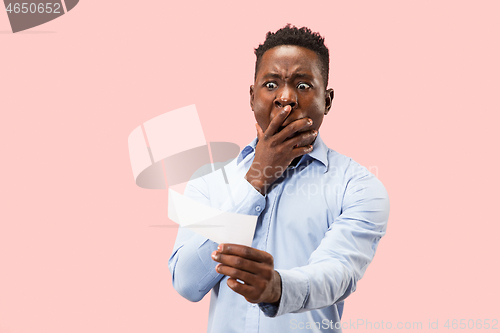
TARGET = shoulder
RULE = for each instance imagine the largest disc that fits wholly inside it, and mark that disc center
(358, 182)
(340, 164)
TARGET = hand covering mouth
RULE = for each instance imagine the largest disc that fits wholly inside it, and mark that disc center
(290, 136)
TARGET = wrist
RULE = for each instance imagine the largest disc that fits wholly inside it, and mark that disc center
(277, 289)
(257, 182)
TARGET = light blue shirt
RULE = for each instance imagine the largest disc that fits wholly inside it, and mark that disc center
(321, 221)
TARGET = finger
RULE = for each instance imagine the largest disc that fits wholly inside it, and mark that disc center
(245, 252)
(302, 139)
(276, 122)
(244, 290)
(236, 262)
(296, 126)
(247, 265)
(299, 151)
(246, 277)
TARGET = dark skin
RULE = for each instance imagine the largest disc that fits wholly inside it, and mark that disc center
(289, 100)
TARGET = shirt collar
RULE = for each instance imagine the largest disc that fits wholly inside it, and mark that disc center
(319, 152)
(247, 151)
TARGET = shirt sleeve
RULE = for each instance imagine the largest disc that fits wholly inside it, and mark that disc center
(343, 255)
(191, 265)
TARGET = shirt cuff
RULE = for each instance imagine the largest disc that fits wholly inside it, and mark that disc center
(204, 253)
(294, 294)
(244, 199)
(269, 309)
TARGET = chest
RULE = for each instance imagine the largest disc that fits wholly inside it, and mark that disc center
(298, 213)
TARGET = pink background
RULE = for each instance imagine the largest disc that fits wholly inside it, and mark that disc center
(416, 99)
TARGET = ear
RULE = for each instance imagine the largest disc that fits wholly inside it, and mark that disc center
(251, 96)
(328, 100)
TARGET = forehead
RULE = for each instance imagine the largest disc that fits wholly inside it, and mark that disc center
(289, 58)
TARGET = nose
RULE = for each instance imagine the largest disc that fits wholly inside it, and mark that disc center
(286, 96)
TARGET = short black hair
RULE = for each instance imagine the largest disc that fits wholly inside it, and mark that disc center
(291, 35)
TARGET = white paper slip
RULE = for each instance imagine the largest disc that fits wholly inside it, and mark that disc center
(217, 225)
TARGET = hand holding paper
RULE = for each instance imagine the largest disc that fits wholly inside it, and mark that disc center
(255, 268)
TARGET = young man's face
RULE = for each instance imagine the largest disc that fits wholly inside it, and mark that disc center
(290, 75)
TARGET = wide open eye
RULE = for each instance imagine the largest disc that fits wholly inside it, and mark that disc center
(303, 86)
(271, 85)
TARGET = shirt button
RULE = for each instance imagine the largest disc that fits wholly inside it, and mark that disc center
(257, 208)
(254, 305)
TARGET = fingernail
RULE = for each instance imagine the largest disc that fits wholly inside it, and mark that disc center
(309, 122)
(314, 133)
(219, 248)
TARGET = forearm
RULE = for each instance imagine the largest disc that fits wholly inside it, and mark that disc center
(335, 267)
(311, 287)
(314, 287)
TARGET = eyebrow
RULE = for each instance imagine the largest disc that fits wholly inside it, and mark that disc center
(296, 75)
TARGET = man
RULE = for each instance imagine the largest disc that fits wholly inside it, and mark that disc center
(320, 214)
